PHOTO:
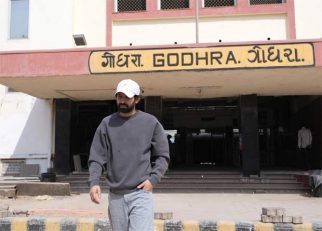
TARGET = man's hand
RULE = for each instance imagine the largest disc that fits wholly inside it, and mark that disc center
(95, 194)
(146, 186)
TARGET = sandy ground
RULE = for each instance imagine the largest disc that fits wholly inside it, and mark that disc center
(189, 206)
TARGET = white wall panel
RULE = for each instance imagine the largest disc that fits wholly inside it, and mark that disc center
(243, 28)
(227, 29)
(90, 20)
(26, 128)
(52, 24)
(308, 19)
(153, 32)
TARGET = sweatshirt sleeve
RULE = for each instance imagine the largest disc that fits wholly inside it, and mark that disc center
(159, 153)
(98, 156)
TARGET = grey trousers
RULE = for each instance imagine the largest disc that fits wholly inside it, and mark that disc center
(131, 212)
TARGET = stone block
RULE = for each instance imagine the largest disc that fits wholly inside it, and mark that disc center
(43, 188)
(266, 219)
(280, 212)
(163, 216)
(277, 219)
(297, 220)
(8, 193)
(269, 211)
(287, 219)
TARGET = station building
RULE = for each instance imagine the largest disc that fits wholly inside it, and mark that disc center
(232, 81)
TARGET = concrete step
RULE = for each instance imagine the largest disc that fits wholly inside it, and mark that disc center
(209, 181)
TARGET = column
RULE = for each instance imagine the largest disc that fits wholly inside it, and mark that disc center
(63, 115)
(249, 135)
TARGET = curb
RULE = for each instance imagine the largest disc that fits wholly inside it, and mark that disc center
(88, 224)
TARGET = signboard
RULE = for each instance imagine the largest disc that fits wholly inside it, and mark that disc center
(205, 58)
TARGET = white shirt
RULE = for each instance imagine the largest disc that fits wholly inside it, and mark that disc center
(304, 137)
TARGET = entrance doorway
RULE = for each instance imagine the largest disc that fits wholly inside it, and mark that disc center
(203, 133)
(206, 132)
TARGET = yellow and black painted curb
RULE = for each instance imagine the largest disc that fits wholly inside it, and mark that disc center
(88, 224)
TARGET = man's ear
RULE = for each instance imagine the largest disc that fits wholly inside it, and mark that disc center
(137, 99)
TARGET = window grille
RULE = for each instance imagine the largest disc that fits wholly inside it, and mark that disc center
(174, 4)
(218, 3)
(263, 2)
(131, 5)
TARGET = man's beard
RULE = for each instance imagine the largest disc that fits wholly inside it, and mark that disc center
(125, 108)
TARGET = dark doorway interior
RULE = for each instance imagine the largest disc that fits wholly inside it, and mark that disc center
(204, 133)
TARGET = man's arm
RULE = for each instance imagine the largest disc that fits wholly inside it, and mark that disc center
(160, 153)
(96, 163)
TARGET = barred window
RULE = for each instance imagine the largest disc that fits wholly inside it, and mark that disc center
(130, 5)
(218, 3)
(263, 2)
(174, 4)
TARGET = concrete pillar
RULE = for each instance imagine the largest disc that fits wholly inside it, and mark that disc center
(249, 134)
(63, 135)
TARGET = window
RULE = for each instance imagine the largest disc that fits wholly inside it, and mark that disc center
(218, 3)
(19, 19)
(262, 2)
(130, 5)
(174, 4)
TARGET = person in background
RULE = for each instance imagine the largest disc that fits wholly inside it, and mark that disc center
(122, 146)
(304, 143)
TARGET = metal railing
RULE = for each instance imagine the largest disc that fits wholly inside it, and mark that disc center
(263, 2)
(173, 4)
(218, 3)
(129, 5)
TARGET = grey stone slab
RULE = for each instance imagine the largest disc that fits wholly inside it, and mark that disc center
(173, 226)
(102, 225)
(29, 170)
(68, 225)
(317, 226)
(5, 225)
(36, 224)
(208, 226)
(244, 226)
(283, 227)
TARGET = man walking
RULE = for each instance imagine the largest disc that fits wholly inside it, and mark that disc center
(123, 146)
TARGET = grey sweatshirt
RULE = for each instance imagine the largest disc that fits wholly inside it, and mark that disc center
(125, 146)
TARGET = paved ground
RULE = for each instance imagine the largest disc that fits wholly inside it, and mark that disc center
(190, 206)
